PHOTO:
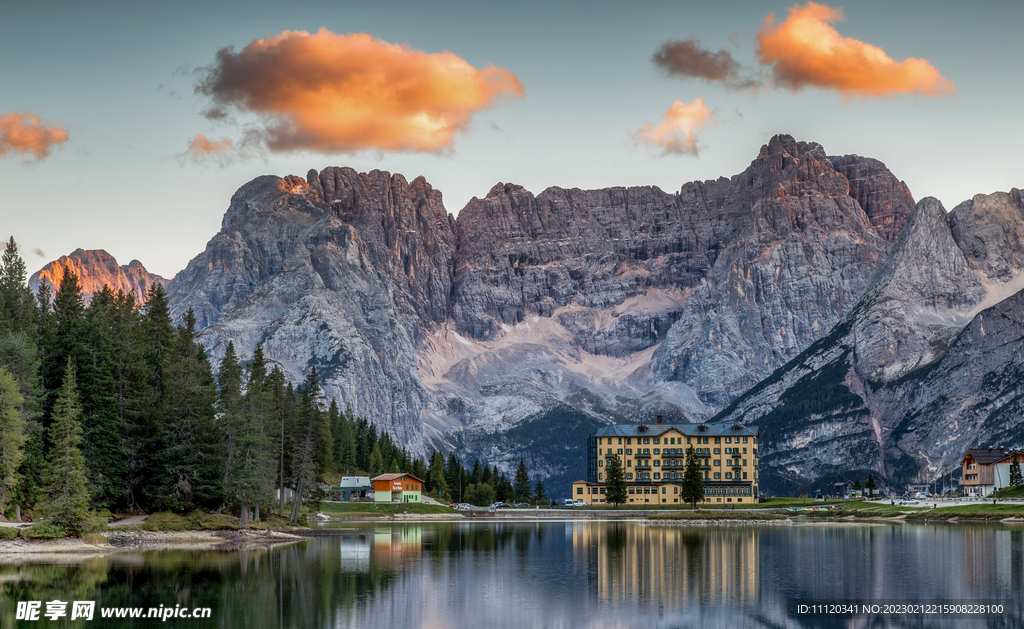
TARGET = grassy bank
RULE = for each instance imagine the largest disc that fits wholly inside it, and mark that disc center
(201, 521)
(684, 516)
(373, 509)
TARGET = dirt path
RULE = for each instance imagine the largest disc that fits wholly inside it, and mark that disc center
(129, 521)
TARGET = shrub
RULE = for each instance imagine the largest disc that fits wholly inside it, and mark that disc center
(8, 532)
(44, 530)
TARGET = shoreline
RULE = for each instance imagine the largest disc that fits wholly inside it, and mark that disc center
(128, 541)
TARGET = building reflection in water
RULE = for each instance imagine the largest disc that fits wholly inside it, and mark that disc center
(386, 547)
(668, 566)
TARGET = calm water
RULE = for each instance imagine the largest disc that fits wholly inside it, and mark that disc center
(554, 574)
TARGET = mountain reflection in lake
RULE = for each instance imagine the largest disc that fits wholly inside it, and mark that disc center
(552, 574)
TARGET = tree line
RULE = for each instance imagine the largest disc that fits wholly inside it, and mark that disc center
(111, 406)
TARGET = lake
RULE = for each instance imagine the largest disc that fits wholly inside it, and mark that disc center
(581, 573)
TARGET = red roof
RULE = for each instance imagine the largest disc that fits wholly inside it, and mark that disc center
(396, 476)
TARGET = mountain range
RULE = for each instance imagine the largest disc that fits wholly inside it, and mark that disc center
(808, 294)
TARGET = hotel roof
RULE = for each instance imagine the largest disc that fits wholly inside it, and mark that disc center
(689, 430)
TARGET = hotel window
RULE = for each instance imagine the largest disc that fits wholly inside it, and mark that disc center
(744, 476)
(629, 450)
(629, 462)
(600, 476)
(717, 476)
(579, 491)
(600, 463)
(744, 450)
(629, 475)
(657, 463)
(657, 451)
(705, 474)
(664, 490)
(718, 450)
(728, 439)
(744, 440)
(631, 490)
(718, 440)
(602, 491)
(744, 461)
(647, 439)
(620, 441)
(688, 441)
(656, 442)
(718, 462)
(657, 476)
(728, 475)
(647, 450)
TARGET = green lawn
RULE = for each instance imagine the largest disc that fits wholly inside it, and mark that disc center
(716, 515)
(365, 509)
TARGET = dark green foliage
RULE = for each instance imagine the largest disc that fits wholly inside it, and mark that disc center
(1016, 479)
(480, 495)
(870, 485)
(521, 488)
(693, 480)
(65, 487)
(12, 436)
(539, 493)
(615, 481)
(44, 530)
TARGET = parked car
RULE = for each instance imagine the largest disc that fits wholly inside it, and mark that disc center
(568, 503)
(908, 501)
(501, 505)
(578, 503)
(521, 505)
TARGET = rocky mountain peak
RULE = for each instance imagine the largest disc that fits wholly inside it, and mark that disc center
(989, 228)
(95, 269)
(886, 200)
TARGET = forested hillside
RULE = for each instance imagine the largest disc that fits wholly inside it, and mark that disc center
(115, 407)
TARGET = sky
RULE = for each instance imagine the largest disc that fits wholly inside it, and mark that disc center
(127, 126)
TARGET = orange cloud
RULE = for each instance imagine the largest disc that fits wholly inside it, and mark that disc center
(24, 133)
(343, 93)
(805, 50)
(202, 149)
(676, 133)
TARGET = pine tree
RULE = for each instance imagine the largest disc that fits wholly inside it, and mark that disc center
(305, 464)
(1015, 475)
(615, 481)
(436, 479)
(65, 486)
(521, 488)
(693, 480)
(17, 306)
(870, 485)
(12, 436)
(540, 495)
(189, 452)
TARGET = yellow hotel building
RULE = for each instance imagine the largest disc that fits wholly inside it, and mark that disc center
(654, 458)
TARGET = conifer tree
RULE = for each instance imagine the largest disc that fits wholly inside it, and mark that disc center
(436, 479)
(12, 436)
(17, 306)
(615, 481)
(693, 480)
(521, 489)
(539, 493)
(189, 459)
(65, 486)
(310, 418)
(1016, 479)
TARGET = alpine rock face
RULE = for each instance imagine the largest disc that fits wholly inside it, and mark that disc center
(517, 328)
(926, 365)
(95, 269)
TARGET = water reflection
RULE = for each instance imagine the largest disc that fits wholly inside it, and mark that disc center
(540, 574)
(656, 565)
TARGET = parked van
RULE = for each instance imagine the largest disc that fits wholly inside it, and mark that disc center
(568, 503)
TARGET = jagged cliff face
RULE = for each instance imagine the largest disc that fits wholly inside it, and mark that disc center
(342, 271)
(541, 315)
(926, 365)
(95, 269)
